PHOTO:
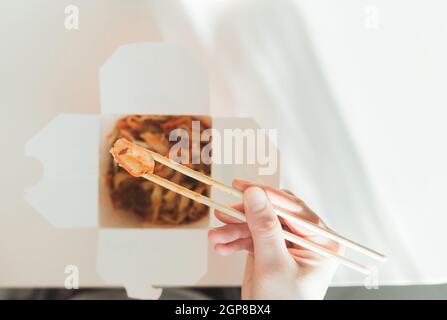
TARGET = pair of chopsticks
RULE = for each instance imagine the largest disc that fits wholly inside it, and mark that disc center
(280, 212)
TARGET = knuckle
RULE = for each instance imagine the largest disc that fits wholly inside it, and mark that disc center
(233, 232)
(267, 224)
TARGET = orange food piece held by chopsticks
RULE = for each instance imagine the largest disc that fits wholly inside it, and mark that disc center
(135, 159)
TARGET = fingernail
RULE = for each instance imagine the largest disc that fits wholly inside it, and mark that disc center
(255, 199)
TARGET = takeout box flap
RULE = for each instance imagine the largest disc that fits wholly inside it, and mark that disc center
(140, 260)
(67, 193)
(153, 78)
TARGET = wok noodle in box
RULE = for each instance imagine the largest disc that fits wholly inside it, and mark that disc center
(138, 79)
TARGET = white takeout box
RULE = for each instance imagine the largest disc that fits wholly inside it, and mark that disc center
(145, 78)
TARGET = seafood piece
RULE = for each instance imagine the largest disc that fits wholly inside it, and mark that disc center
(135, 159)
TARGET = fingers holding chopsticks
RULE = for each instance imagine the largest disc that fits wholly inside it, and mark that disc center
(261, 233)
(232, 236)
(286, 201)
(229, 219)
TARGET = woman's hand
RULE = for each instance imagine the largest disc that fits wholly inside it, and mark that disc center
(275, 269)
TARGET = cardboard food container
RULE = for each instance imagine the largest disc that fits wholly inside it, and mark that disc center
(144, 78)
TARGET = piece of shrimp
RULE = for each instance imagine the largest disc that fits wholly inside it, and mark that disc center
(135, 159)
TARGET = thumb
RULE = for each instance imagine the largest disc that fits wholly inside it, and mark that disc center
(265, 228)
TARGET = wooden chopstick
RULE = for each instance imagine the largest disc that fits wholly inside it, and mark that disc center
(280, 212)
(238, 215)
